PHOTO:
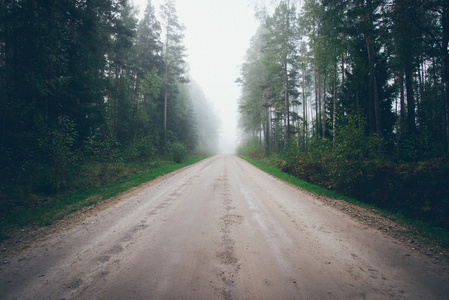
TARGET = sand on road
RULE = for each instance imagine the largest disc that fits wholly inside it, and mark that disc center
(221, 229)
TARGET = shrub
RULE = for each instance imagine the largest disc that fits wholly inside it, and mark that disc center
(102, 146)
(57, 158)
(178, 151)
(144, 148)
(354, 165)
(251, 147)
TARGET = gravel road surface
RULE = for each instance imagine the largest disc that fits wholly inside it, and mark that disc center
(221, 229)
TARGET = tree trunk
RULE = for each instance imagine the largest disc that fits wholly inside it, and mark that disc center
(446, 95)
(374, 110)
(166, 86)
(411, 116)
(334, 105)
(316, 83)
(287, 109)
(304, 106)
(374, 114)
(287, 100)
(445, 59)
(324, 108)
(402, 104)
(397, 128)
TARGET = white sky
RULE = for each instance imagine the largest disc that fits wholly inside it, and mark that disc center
(217, 36)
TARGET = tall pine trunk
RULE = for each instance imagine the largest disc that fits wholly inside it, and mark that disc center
(317, 96)
(287, 108)
(374, 110)
(304, 107)
(166, 85)
(411, 116)
(445, 59)
(324, 108)
(334, 105)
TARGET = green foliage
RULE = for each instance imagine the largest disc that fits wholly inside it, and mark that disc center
(102, 146)
(46, 211)
(152, 86)
(82, 104)
(202, 150)
(378, 100)
(178, 152)
(94, 65)
(270, 76)
(354, 165)
(59, 157)
(439, 234)
(273, 170)
(175, 50)
(143, 149)
(352, 143)
(251, 147)
(182, 121)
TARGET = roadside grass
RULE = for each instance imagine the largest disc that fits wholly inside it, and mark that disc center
(57, 207)
(438, 235)
(293, 180)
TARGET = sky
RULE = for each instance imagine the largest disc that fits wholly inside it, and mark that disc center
(217, 36)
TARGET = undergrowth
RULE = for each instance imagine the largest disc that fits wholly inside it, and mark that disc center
(106, 181)
(437, 234)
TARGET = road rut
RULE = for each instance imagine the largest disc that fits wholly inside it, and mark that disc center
(221, 229)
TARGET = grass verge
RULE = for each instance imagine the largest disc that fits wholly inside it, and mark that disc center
(293, 180)
(59, 207)
(434, 234)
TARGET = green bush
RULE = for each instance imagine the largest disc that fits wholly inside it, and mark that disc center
(144, 148)
(354, 165)
(102, 145)
(418, 190)
(251, 147)
(56, 159)
(178, 151)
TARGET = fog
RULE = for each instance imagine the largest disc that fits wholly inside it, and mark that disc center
(217, 37)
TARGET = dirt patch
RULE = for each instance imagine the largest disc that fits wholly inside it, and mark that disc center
(28, 237)
(390, 226)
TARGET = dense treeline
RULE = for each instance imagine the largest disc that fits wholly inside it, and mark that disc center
(86, 82)
(354, 95)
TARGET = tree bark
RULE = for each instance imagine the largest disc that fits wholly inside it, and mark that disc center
(304, 105)
(411, 116)
(316, 84)
(334, 105)
(166, 85)
(445, 59)
(374, 110)
(324, 107)
(287, 108)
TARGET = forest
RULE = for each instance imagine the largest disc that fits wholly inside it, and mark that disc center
(87, 89)
(354, 96)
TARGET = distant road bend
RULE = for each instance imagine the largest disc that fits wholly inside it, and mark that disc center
(221, 229)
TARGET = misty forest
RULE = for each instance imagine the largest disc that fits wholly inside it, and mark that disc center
(117, 119)
(353, 96)
(89, 94)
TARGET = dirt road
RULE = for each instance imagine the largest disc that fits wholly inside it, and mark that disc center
(221, 229)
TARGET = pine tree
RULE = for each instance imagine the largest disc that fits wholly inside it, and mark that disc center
(149, 77)
(281, 40)
(174, 54)
(121, 78)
